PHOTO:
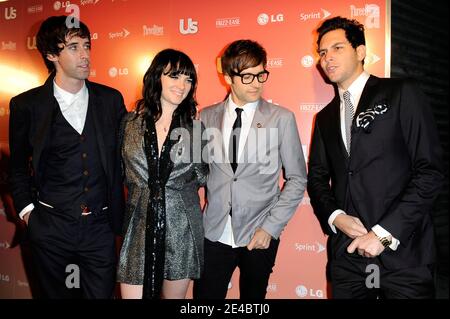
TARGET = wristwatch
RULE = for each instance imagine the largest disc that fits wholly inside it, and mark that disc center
(385, 241)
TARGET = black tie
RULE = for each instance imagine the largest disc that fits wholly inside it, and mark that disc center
(234, 139)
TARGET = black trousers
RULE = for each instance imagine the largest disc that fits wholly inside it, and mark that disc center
(220, 262)
(74, 257)
(356, 277)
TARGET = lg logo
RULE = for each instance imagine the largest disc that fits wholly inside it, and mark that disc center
(264, 18)
(4, 278)
(191, 28)
(10, 13)
(113, 72)
(307, 61)
(303, 292)
(60, 4)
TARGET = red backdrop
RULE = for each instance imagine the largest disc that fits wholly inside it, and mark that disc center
(126, 35)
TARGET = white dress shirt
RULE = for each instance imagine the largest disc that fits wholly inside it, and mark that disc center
(229, 117)
(355, 90)
(74, 109)
(73, 106)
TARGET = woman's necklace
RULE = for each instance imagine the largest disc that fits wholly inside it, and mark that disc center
(163, 126)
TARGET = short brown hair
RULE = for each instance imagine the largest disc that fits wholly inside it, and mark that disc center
(241, 55)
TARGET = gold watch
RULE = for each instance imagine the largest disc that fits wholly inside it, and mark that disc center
(385, 241)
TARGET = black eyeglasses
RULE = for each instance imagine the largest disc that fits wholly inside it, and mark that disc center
(247, 78)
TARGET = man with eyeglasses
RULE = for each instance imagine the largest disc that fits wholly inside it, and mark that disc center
(251, 141)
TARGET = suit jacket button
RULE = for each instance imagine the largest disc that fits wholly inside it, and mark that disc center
(234, 179)
(350, 173)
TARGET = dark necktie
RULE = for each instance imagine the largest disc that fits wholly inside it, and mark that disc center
(234, 140)
(349, 113)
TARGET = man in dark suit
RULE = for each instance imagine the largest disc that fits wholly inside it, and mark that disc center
(377, 144)
(65, 167)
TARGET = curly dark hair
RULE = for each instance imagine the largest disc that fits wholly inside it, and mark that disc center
(179, 63)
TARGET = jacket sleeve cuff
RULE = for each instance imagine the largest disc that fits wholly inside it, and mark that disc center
(381, 232)
(26, 210)
(333, 217)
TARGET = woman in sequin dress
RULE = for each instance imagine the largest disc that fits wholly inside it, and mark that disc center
(163, 232)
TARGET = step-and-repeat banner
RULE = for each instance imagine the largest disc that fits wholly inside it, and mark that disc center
(127, 34)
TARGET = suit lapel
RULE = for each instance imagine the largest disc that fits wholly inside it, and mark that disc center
(260, 117)
(335, 125)
(259, 121)
(95, 107)
(217, 119)
(367, 96)
(366, 100)
(44, 112)
(218, 123)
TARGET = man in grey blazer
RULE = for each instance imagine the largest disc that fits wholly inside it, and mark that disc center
(250, 141)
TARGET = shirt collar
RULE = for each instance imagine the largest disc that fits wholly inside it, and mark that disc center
(248, 108)
(69, 97)
(356, 87)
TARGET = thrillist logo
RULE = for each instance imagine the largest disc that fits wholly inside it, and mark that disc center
(10, 13)
(11, 46)
(155, 30)
(191, 28)
(371, 12)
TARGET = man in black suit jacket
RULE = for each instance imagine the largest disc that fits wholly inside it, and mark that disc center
(65, 167)
(374, 172)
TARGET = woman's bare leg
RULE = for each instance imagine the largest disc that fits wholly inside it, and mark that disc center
(131, 291)
(175, 289)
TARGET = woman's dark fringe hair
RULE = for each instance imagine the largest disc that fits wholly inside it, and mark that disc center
(150, 104)
(53, 32)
